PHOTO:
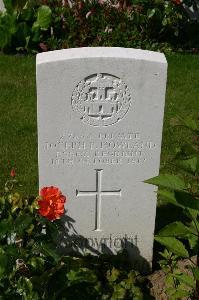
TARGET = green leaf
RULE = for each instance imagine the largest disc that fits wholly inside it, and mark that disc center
(193, 242)
(2, 202)
(131, 279)
(36, 33)
(27, 14)
(166, 254)
(112, 275)
(44, 17)
(151, 13)
(169, 282)
(119, 292)
(191, 213)
(187, 151)
(82, 275)
(168, 196)
(174, 245)
(176, 229)
(172, 182)
(6, 226)
(24, 286)
(49, 250)
(37, 264)
(187, 279)
(164, 22)
(187, 200)
(179, 294)
(7, 28)
(14, 5)
(195, 272)
(19, 4)
(22, 223)
(189, 165)
(3, 262)
(194, 225)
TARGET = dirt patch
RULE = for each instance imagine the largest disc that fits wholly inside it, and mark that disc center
(157, 280)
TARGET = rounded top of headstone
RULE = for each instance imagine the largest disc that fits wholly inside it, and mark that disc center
(105, 52)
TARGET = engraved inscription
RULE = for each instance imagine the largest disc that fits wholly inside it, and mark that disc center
(98, 193)
(101, 99)
(105, 148)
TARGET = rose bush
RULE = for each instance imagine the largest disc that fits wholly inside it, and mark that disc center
(32, 266)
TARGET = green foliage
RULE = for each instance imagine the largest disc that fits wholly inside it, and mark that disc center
(42, 25)
(173, 245)
(43, 17)
(7, 28)
(23, 25)
(181, 238)
(172, 182)
(32, 267)
(178, 283)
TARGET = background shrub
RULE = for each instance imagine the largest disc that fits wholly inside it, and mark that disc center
(41, 25)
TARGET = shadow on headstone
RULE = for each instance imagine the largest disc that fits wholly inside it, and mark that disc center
(74, 244)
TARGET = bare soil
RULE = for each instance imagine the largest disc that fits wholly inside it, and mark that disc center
(157, 280)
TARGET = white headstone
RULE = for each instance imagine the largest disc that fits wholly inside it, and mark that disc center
(2, 7)
(100, 116)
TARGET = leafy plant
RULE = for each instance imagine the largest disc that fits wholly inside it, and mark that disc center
(181, 238)
(41, 25)
(23, 25)
(32, 265)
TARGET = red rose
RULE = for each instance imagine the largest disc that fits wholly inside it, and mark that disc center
(51, 203)
(177, 2)
(13, 173)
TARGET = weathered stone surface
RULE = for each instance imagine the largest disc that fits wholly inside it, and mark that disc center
(100, 115)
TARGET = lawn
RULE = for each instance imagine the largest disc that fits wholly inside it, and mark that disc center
(18, 126)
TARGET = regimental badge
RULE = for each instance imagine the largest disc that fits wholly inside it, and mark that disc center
(101, 99)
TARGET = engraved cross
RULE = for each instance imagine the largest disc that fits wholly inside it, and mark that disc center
(98, 193)
(101, 84)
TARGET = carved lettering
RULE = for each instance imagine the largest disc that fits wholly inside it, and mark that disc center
(106, 148)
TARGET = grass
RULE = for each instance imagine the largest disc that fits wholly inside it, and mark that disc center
(182, 99)
(18, 127)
